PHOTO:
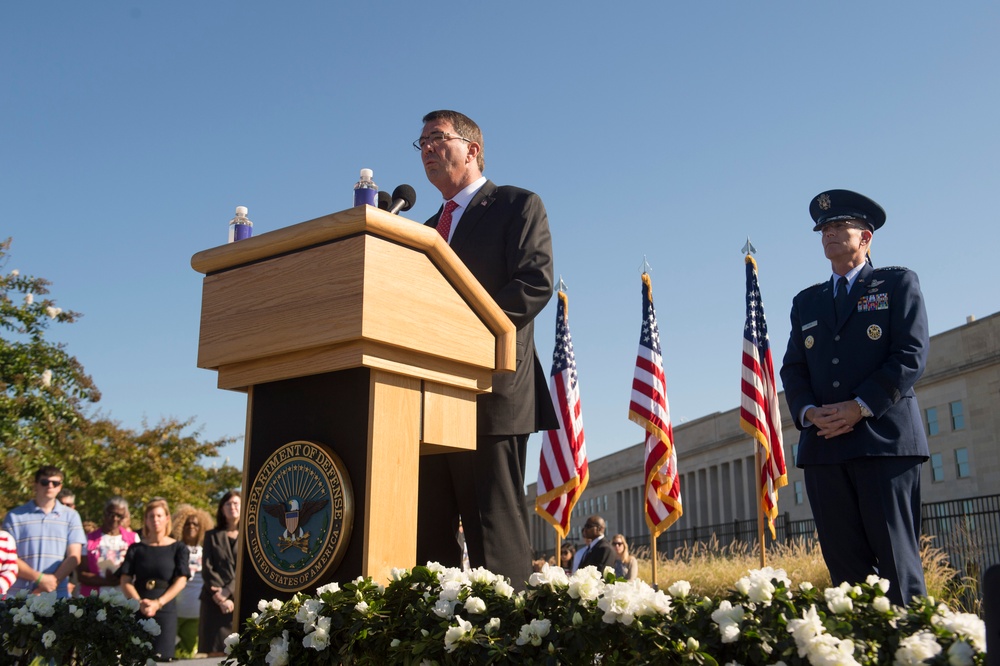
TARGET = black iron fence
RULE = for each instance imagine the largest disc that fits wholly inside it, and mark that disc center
(966, 530)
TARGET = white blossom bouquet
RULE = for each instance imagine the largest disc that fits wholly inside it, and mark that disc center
(436, 615)
(99, 630)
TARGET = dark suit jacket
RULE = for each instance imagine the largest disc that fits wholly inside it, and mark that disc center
(218, 563)
(600, 555)
(503, 238)
(876, 353)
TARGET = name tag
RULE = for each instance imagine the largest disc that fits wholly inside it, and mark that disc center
(812, 324)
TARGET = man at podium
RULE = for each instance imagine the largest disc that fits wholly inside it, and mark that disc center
(502, 236)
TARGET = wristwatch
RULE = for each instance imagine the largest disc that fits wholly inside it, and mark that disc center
(865, 412)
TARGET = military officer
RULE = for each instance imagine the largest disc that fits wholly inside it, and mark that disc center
(858, 344)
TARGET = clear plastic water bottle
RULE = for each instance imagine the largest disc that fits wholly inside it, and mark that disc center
(366, 191)
(240, 227)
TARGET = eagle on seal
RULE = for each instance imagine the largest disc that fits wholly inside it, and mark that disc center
(295, 515)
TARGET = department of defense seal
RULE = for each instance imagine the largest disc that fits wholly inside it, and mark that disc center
(299, 514)
(874, 331)
(809, 342)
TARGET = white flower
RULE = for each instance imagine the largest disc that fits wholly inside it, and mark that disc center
(460, 632)
(332, 588)
(475, 605)
(965, 625)
(397, 574)
(319, 639)
(551, 576)
(308, 612)
(48, 638)
(444, 608)
(960, 654)
(53, 312)
(15, 273)
(492, 625)
(728, 617)
(805, 586)
(278, 654)
(151, 626)
(880, 583)
(395, 642)
(47, 378)
(585, 584)
(232, 640)
(135, 640)
(837, 599)
(693, 644)
(503, 588)
(881, 604)
(679, 589)
(29, 299)
(361, 607)
(804, 630)
(917, 649)
(102, 615)
(534, 632)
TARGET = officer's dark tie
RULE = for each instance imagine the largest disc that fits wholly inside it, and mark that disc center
(840, 299)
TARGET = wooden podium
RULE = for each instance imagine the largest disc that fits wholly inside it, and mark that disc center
(363, 332)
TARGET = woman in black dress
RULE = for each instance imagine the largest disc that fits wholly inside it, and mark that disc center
(154, 572)
(219, 576)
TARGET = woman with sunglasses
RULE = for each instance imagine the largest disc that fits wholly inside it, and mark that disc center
(626, 566)
(106, 548)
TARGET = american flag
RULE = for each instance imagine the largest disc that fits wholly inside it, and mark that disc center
(563, 471)
(649, 409)
(759, 415)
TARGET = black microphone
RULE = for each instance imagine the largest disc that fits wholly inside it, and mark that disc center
(403, 198)
(384, 200)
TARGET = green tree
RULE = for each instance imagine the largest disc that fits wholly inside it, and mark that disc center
(46, 418)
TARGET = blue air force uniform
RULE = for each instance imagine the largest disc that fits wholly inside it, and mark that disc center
(863, 485)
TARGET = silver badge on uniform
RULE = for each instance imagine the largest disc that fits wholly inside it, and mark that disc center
(874, 332)
(824, 201)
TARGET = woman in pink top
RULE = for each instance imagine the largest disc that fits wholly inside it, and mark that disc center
(106, 549)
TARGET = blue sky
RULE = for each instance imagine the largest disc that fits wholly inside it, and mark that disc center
(129, 132)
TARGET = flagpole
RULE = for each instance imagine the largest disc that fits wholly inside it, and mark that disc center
(652, 549)
(760, 508)
(558, 549)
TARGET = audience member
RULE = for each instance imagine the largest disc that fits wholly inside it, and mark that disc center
(566, 556)
(598, 554)
(106, 548)
(578, 555)
(8, 562)
(190, 525)
(626, 566)
(219, 574)
(48, 534)
(154, 572)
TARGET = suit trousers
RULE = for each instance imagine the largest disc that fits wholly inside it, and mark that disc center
(867, 513)
(485, 488)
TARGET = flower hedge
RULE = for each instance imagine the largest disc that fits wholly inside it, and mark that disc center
(436, 615)
(99, 630)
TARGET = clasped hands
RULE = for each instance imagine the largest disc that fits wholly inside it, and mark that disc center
(224, 603)
(834, 419)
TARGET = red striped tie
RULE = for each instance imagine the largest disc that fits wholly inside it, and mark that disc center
(444, 224)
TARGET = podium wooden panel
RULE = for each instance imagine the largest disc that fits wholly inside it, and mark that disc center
(363, 331)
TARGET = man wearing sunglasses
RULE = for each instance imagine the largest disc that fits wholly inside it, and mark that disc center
(501, 233)
(49, 535)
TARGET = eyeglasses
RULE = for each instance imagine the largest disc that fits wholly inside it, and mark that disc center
(115, 514)
(192, 523)
(434, 139)
(617, 543)
(51, 483)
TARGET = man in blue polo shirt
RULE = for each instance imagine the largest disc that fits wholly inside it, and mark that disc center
(49, 535)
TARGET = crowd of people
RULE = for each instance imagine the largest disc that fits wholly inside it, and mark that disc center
(595, 551)
(180, 566)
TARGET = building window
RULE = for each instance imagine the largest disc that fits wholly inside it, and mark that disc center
(957, 416)
(795, 456)
(937, 467)
(799, 497)
(962, 463)
(932, 420)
